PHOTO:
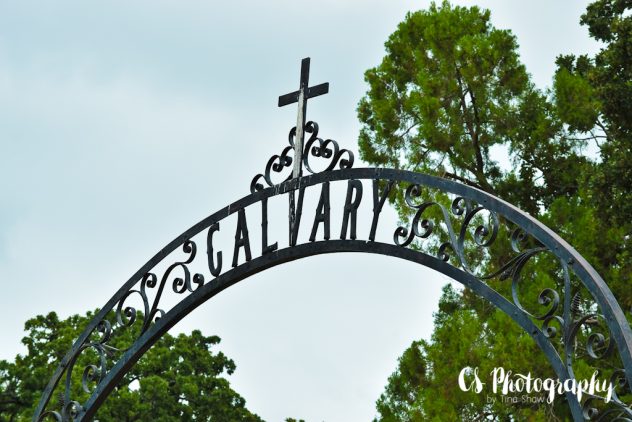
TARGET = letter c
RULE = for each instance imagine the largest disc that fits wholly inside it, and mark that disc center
(477, 385)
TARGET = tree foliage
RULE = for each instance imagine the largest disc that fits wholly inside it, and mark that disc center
(451, 91)
(179, 379)
(450, 88)
(594, 96)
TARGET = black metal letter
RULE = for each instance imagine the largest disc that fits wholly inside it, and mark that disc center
(322, 213)
(265, 248)
(378, 204)
(215, 271)
(295, 217)
(351, 208)
(241, 237)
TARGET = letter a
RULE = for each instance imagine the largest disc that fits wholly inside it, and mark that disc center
(322, 213)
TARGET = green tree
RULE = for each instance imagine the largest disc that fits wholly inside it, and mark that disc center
(179, 379)
(594, 98)
(450, 89)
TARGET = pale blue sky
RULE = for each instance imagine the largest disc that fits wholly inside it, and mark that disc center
(123, 123)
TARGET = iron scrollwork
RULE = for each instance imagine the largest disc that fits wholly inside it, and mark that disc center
(125, 318)
(463, 233)
(421, 227)
(562, 324)
(126, 315)
(314, 147)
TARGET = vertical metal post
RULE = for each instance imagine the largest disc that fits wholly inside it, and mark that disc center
(301, 96)
(300, 119)
(298, 139)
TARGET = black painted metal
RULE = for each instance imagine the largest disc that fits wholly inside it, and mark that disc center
(310, 91)
(466, 210)
(199, 291)
(296, 138)
(310, 249)
(315, 147)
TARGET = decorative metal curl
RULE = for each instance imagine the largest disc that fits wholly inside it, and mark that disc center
(589, 412)
(618, 381)
(547, 297)
(518, 236)
(92, 373)
(618, 412)
(72, 409)
(104, 329)
(126, 316)
(483, 235)
(314, 147)
(548, 330)
(275, 164)
(179, 284)
(597, 345)
(460, 205)
(458, 212)
(419, 227)
(51, 414)
(327, 149)
(554, 325)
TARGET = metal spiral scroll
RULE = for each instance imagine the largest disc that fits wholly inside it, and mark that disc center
(598, 347)
(484, 236)
(616, 411)
(276, 164)
(91, 374)
(556, 322)
(327, 149)
(314, 147)
(125, 317)
(422, 228)
(566, 323)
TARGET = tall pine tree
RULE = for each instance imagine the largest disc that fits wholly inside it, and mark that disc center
(450, 89)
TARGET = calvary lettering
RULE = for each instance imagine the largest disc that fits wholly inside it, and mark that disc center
(320, 226)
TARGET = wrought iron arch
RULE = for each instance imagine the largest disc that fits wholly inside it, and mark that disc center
(602, 324)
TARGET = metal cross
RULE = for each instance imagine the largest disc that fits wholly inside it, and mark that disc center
(301, 96)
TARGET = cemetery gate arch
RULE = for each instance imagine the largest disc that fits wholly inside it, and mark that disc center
(455, 229)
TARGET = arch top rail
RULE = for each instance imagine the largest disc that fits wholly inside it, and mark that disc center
(454, 228)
